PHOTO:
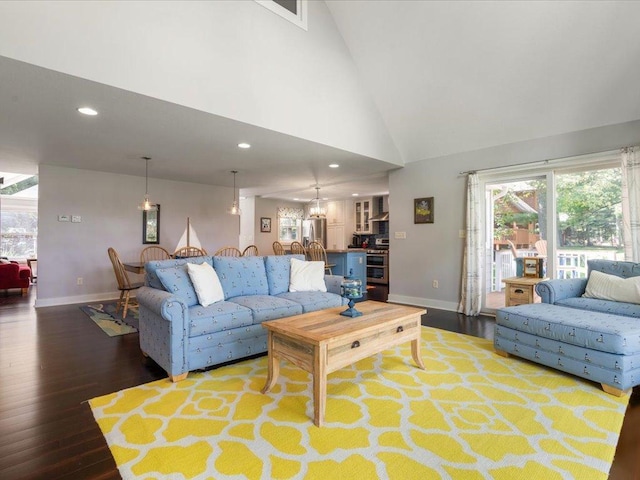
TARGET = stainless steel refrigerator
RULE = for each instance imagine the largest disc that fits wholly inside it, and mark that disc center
(314, 230)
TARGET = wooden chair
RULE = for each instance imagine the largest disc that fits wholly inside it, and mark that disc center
(154, 252)
(228, 252)
(541, 248)
(124, 284)
(186, 252)
(278, 249)
(317, 253)
(250, 251)
(298, 249)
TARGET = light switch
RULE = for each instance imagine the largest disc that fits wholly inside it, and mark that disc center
(63, 218)
(401, 235)
(76, 219)
(462, 233)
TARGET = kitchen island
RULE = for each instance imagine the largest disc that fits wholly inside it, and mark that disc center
(349, 262)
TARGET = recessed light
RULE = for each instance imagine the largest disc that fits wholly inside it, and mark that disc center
(325, 198)
(87, 111)
(244, 145)
(354, 194)
(296, 199)
(334, 165)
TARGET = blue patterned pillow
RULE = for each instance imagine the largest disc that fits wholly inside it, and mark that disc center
(176, 280)
(241, 276)
(278, 272)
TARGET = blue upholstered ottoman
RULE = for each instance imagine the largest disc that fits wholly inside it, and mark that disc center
(598, 346)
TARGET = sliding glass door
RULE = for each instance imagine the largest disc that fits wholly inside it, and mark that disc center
(565, 216)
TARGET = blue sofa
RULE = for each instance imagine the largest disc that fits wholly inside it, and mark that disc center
(181, 335)
(592, 338)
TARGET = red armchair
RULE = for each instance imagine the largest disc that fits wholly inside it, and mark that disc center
(14, 275)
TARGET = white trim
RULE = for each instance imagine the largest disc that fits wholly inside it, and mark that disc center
(300, 20)
(422, 302)
(96, 297)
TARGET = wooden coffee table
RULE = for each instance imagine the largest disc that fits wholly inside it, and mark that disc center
(324, 341)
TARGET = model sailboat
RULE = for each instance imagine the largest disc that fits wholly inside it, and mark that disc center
(189, 238)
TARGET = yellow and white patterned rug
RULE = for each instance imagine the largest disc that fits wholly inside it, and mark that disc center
(470, 415)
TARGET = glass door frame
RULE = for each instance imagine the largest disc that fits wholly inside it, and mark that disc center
(542, 170)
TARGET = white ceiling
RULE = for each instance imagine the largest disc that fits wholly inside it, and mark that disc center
(447, 77)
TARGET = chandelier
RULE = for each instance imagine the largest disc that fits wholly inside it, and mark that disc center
(315, 209)
(146, 204)
(235, 208)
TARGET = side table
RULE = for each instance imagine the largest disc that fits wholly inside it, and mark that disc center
(520, 290)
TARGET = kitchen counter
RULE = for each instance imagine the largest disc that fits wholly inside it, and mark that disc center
(349, 262)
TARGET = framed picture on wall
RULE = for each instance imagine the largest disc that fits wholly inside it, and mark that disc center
(265, 224)
(151, 226)
(423, 210)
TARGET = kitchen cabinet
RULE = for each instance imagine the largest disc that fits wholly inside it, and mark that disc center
(363, 212)
(335, 212)
(349, 262)
(335, 237)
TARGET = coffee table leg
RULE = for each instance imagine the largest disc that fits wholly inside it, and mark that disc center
(319, 384)
(415, 353)
(273, 364)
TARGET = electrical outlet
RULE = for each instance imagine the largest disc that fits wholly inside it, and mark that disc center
(435, 284)
(76, 218)
(79, 281)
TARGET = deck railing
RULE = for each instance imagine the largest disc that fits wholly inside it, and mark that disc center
(570, 263)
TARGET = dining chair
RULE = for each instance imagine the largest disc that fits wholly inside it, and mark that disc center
(298, 249)
(154, 252)
(228, 252)
(124, 284)
(250, 251)
(186, 252)
(317, 253)
(278, 249)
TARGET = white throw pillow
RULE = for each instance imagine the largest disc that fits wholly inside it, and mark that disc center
(611, 287)
(306, 276)
(206, 283)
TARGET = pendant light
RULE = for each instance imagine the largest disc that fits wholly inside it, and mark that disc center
(235, 208)
(315, 209)
(146, 204)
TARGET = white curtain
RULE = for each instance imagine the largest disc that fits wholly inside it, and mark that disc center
(631, 202)
(472, 275)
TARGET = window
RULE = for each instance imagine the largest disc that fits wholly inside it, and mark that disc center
(18, 215)
(290, 224)
(293, 10)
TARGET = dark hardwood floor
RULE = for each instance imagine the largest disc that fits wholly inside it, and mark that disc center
(54, 359)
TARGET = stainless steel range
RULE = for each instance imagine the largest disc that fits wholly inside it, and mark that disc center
(378, 262)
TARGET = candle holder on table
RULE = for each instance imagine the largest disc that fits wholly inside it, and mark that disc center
(351, 290)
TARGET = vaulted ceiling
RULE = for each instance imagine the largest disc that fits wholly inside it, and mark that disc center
(445, 77)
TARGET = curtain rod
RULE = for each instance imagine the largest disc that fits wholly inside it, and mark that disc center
(542, 162)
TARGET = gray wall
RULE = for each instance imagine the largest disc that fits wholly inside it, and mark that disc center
(268, 207)
(434, 251)
(107, 204)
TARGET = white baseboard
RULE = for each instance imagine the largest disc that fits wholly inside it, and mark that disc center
(423, 302)
(95, 297)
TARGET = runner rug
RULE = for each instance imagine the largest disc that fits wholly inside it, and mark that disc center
(104, 315)
(470, 415)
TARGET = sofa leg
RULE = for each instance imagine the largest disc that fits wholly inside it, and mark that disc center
(178, 378)
(614, 391)
(25, 291)
(503, 354)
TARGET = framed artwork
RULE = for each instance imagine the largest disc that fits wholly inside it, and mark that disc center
(530, 267)
(151, 226)
(423, 210)
(265, 224)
